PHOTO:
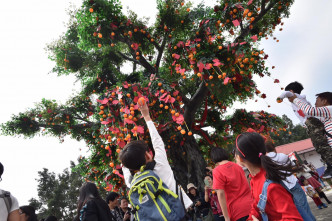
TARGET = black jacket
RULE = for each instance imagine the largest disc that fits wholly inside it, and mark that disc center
(96, 210)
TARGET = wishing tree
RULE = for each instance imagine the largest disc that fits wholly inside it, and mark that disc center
(190, 65)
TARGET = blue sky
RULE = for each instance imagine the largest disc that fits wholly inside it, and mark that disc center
(303, 54)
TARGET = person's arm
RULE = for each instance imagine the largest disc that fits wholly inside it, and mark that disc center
(127, 176)
(307, 109)
(157, 142)
(206, 196)
(14, 216)
(223, 204)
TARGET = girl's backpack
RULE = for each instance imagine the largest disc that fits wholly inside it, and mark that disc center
(263, 198)
(152, 200)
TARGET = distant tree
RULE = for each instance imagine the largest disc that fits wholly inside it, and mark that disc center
(293, 133)
(58, 194)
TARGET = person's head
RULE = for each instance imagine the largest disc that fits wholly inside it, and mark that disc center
(88, 191)
(250, 152)
(1, 170)
(112, 199)
(294, 87)
(218, 154)
(135, 154)
(27, 213)
(208, 181)
(51, 218)
(323, 99)
(305, 182)
(305, 162)
(269, 146)
(192, 189)
(124, 203)
(208, 172)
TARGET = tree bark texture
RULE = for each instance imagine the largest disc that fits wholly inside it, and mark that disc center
(188, 163)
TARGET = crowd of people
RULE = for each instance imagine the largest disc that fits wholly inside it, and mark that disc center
(275, 189)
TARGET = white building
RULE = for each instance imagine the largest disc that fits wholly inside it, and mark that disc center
(306, 151)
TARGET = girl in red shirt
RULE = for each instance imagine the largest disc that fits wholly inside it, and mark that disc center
(250, 152)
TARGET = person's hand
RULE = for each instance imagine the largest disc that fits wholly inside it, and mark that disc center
(126, 216)
(209, 168)
(291, 99)
(198, 203)
(254, 218)
(145, 111)
(207, 188)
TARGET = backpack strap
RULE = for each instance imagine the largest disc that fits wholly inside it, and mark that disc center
(8, 200)
(263, 199)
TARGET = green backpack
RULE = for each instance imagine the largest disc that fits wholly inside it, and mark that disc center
(152, 200)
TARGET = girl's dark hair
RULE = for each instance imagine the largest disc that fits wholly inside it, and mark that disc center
(251, 147)
(294, 86)
(218, 154)
(30, 212)
(269, 146)
(88, 191)
(132, 155)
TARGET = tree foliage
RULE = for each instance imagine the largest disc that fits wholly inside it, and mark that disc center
(292, 134)
(191, 65)
(58, 194)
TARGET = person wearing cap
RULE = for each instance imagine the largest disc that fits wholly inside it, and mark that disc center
(200, 208)
(9, 210)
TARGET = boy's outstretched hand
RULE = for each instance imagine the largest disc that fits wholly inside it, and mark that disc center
(145, 111)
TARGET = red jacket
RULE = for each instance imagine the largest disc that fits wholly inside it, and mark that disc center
(279, 205)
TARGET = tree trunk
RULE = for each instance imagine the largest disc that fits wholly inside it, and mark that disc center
(188, 163)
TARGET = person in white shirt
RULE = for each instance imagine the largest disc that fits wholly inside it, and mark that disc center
(135, 154)
(291, 183)
(291, 89)
(9, 209)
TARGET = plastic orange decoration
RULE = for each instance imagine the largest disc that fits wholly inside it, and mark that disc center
(141, 101)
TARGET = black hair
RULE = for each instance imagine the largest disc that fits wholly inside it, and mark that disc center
(132, 155)
(124, 198)
(30, 212)
(269, 146)
(111, 197)
(88, 191)
(294, 86)
(326, 96)
(51, 218)
(251, 147)
(1, 170)
(218, 154)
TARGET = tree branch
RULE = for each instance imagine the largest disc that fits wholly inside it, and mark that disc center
(160, 52)
(62, 127)
(246, 31)
(142, 61)
(128, 58)
(263, 5)
(194, 103)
